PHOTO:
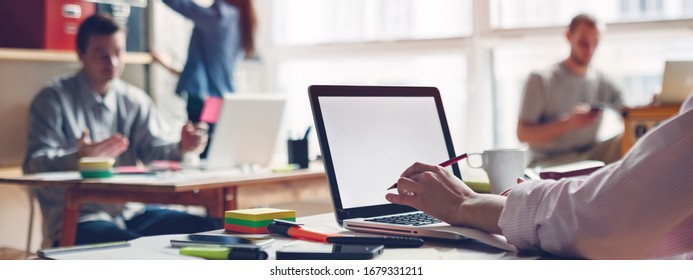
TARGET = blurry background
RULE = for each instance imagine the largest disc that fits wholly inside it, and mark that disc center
(478, 53)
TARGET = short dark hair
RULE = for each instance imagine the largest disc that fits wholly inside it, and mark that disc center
(96, 24)
(587, 19)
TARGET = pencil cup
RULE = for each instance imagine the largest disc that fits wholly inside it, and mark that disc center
(298, 152)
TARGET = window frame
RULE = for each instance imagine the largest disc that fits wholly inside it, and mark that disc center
(477, 47)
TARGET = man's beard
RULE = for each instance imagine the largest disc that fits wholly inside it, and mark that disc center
(579, 61)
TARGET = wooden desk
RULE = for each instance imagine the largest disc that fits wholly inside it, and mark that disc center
(638, 121)
(216, 191)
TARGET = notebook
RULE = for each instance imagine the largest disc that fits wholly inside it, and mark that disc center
(580, 168)
(368, 136)
(246, 131)
(677, 82)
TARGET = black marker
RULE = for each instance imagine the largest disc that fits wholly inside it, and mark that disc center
(387, 241)
(225, 253)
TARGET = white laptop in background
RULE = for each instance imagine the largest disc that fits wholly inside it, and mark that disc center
(677, 82)
(246, 131)
(368, 136)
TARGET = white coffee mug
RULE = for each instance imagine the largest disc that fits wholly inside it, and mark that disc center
(503, 167)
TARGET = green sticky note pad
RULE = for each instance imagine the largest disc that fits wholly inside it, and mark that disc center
(90, 174)
(260, 214)
(253, 224)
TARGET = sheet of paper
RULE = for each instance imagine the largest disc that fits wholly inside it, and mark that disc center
(407, 254)
(123, 253)
(494, 240)
(59, 176)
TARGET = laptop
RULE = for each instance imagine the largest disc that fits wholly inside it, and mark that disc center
(677, 82)
(368, 136)
(246, 131)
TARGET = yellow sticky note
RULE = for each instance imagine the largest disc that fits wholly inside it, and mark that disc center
(259, 214)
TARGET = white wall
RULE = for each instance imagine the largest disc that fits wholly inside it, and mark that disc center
(20, 82)
(14, 216)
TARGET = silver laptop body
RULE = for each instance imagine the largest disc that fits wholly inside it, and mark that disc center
(246, 131)
(677, 82)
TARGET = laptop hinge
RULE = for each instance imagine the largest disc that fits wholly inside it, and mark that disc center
(343, 212)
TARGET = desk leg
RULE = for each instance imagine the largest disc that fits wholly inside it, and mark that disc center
(230, 198)
(70, 216)
(215, 202)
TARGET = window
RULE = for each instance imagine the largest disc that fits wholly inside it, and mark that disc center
(445, 71)
(302, 22)
(511, 66)
(539, 13)
(370, 42)
(480, 69)
(636, 65)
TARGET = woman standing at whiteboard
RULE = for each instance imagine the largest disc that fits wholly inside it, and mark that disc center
(222, 31)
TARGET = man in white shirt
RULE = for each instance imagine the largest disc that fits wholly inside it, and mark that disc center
(635, 208)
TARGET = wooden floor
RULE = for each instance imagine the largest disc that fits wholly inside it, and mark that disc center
(11, 254)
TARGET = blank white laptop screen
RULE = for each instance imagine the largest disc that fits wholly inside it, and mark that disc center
(372, 140)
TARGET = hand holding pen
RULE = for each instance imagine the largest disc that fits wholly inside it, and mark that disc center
(442, 164)
(438, 192)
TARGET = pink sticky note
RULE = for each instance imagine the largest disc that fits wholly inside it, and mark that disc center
(211, 109)
(130, 169)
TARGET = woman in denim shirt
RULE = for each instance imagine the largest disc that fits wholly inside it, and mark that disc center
(222, 31)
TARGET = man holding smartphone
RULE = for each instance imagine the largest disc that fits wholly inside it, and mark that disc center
(562, 107)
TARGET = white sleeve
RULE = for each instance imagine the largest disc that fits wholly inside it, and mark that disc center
(639, 207)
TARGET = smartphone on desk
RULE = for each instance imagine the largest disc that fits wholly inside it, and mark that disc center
(211, 240)
(329, 252)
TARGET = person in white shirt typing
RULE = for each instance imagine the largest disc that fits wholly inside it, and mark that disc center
(635, 208)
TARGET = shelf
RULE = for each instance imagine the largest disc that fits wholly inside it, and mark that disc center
(37, 55)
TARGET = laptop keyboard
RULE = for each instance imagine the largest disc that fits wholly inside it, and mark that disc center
(414, 219)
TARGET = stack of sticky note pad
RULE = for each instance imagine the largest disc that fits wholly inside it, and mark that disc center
(96, 167)
(255, 220)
